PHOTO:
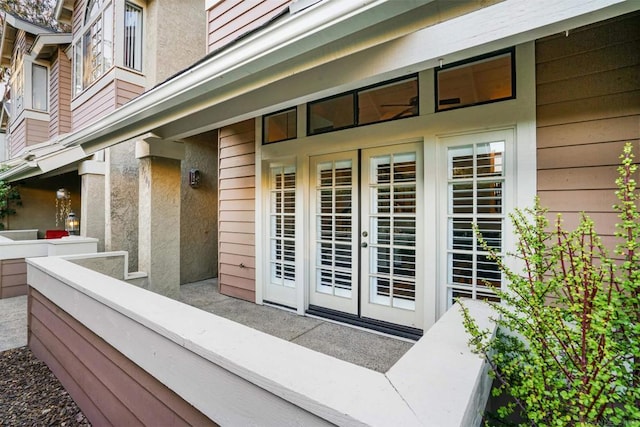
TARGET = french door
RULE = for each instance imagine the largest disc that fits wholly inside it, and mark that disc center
(366, 234)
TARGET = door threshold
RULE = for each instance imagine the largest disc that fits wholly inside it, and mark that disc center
(386, 328)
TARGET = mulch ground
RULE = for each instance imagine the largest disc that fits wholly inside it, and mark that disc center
(30, 395)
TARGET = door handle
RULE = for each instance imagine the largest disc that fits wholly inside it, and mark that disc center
(363, 245)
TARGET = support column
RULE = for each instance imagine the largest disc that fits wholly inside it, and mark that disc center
(92, 200)
(159, 213)
(121, 201)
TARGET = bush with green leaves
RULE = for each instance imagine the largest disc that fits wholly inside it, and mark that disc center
(9, 198)
(567, 349)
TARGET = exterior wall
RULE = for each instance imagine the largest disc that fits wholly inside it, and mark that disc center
(588, 106)
(165, 19)
(93, 371)
(230, 19)
(198, 210)
(99, 105)
(17, 139)
(13, 278)
(236, 210)
(60, 95)
(36, 131)
(38, 198)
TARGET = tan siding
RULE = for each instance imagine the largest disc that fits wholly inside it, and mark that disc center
(78, 16)
(98, 106)
(588, 106)
(236, 236)
(230, 19)
(93, 371)
(13, 278)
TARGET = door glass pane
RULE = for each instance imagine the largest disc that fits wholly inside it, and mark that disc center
(392, 221)
(282, 226)
(334, 228)
(476, 196)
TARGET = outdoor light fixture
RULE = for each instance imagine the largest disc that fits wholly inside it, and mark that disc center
(72, 224)
(62, 194)
(194, 178)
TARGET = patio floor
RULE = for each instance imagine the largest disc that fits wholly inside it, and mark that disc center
(367, 349)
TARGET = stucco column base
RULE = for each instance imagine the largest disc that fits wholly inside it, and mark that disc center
(159, 218)
(92, 201)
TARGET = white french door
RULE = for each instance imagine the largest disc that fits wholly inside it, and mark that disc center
(366, 232)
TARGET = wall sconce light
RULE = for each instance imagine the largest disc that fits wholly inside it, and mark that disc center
(62, 194)
(72, 224)
(194, 178)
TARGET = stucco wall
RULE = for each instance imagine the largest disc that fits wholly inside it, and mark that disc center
(121, 201)
(165, 19)
(199, 210)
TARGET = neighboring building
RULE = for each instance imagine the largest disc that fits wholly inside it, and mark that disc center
(352, 145)
(63, 82)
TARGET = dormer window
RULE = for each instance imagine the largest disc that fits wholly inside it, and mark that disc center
(98, 48)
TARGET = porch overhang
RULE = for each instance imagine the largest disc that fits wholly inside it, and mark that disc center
(286, 63)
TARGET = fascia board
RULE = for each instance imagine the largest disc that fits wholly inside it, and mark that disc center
(60, 158)
(26, 26)
(281, 41)
(48, 40)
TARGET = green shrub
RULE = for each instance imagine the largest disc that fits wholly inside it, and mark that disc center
(567, 350)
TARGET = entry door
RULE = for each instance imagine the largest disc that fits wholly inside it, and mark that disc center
(366, 208)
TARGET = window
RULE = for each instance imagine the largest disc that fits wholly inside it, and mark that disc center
(133, 37)
(39, 89)
(476, 179)
(93, 51)
(481, 80)
(390, 100)
(97, 42)
(279, 126)
(17, 88)
(282, 218)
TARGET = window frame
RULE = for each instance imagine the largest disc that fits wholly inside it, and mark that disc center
(510, 50)
(46, 87)
(264, 125)
(354, 94)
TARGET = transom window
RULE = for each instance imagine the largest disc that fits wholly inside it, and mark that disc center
(279, 126)
(394, 99)
(476, 178)
(480, 80)
(93, 51)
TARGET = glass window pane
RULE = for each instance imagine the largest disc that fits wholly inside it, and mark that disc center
(331, 114)
(478, 82)
(388, 102)
(107, 39)
(39, 95)
(280, 126)
(133, 37)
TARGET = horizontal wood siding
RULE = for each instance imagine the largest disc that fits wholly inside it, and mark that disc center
(96, 107)
(126, 91)
(78, 16)
(236, 199)
(13, 278)
(60, 95)
(37, 131)
(106, 385)
(588, 106)
(18, 139)
(230, 19)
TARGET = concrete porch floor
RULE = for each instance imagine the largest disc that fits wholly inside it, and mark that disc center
(367, 349)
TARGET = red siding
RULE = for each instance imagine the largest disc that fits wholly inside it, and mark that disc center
(108, 387)
(236, 198)
(13, 278)
(230, 19)
(588, 106)
(60, 93)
